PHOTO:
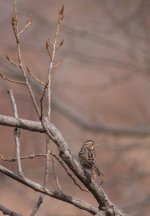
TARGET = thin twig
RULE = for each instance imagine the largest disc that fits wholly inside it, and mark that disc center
(43, 155)
(60, 18)
(11, 61)
(26, 26)
(13, 102)
(37, 205)
(53, 47)
(48, 86)
(46, 175)
(34, 77)
(14, 23)
(52, 57)
(47, 170)
(17, 133)
(22, 158)
(41, 99)
(11, 80)
(75, 182)
(56, 178)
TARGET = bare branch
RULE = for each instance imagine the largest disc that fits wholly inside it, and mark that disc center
(21, 123)
(17, 133)
(13, 103)
(74, 165)
(26, 26)
(14, 23)
(52, 193)
(48, 87)
(7, 211)
(77, 169)
(11, 61)
(37, 127)
(37, 205)
(34, 77)
(22, 158)
(41, 100)
(43, 155)
(51, 48)
(11, 80)
(60, 18)
(75, 182)
(46, 175)
(106, 207)
(56, 178)
(47, 167)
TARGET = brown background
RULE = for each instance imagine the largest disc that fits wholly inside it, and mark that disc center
(104, 78)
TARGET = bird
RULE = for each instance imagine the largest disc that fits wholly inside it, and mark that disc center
(87, 157)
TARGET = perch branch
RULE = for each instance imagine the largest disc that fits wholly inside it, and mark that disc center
(69, 159)
(74, 165)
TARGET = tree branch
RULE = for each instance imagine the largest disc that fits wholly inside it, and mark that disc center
(17, 133)
(21, 123)
(65, 153)
(71, 161)
(52, 193)
(7, 211)
(37, 127)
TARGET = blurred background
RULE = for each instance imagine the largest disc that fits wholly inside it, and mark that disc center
(100, 92)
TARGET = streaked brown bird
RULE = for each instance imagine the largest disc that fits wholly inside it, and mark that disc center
(87, 157)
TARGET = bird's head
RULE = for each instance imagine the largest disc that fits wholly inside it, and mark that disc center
(90, 145)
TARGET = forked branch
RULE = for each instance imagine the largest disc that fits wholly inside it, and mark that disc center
(65, 153)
